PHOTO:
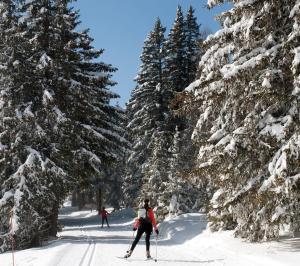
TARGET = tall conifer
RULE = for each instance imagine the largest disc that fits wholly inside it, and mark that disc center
(58, 128)
(147, 108)
(248, 129)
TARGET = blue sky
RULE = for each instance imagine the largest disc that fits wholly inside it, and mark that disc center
(121, 26)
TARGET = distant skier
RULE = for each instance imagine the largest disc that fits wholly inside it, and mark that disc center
(104, 215)
(144, 224)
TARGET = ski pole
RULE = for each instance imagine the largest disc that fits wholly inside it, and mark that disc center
(130, 243)
(12, 237)
(156, 238)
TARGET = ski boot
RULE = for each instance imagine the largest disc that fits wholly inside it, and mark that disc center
(148, 255)
(129, 252)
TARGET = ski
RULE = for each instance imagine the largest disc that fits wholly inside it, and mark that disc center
(133, 259)
(122, 258)
(151, 259)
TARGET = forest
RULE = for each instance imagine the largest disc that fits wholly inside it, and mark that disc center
(212, 125)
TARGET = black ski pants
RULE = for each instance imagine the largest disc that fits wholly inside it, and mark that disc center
(143, 228)
(105, 219)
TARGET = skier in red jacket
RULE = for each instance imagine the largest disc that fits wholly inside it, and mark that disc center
(104, 215)
(144, 224)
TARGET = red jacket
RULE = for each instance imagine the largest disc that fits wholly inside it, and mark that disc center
(104, 214)
(150, 214)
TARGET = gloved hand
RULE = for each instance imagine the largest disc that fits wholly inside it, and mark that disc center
(156, 231)
(134, 229)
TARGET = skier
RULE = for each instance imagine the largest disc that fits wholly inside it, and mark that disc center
(104, 215)
(144, 224)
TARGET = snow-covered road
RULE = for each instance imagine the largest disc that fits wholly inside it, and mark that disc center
(183, 241)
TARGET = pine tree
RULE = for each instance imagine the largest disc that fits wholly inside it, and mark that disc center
(280, 190)
(28, 175)
(58, 129)
(94, 121)
(155, 170)
(193, 50)
(115, 172)
(248, 128)
(185, 195)
(175, 49)
(93, 136)
(182, 55)
(182, 51)
(146, 109)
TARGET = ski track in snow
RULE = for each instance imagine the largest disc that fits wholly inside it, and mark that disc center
(183, 241)
(87, 251)
(90, 251)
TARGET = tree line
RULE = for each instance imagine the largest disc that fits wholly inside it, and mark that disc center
(225, 139)
(161, 148)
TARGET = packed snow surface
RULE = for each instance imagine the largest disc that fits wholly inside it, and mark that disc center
(183, 241)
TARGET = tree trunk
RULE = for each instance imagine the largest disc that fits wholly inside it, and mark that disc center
(54, 220)
(74, 199)
(99, 199)
(80, 200)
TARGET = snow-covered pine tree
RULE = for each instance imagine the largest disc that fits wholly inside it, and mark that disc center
(175, 51)
(57, 124)
(248, 130)
(193, 50)
(156, 169)
(185, 195)
(114, 182)
(182, 54)
(93, 137)
(28, 175)
(182, 51)
(44, 34)
(146, 109)
(96, 136)
(115, 173)
(280, 191)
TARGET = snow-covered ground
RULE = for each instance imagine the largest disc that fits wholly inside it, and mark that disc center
(183, 241)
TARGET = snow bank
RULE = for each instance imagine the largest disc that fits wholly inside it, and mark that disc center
(182, 228)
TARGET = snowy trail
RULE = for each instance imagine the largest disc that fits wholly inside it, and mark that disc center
(109, 245)
(183, 241)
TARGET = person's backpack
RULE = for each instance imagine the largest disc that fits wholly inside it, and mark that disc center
(143, 216)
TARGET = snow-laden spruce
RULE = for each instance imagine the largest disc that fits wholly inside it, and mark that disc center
(248, 127)
(147, 110)
(57, 128)
(182, 51)
(175, 71)
(182, 54)
(31, 180)
(186, 195)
